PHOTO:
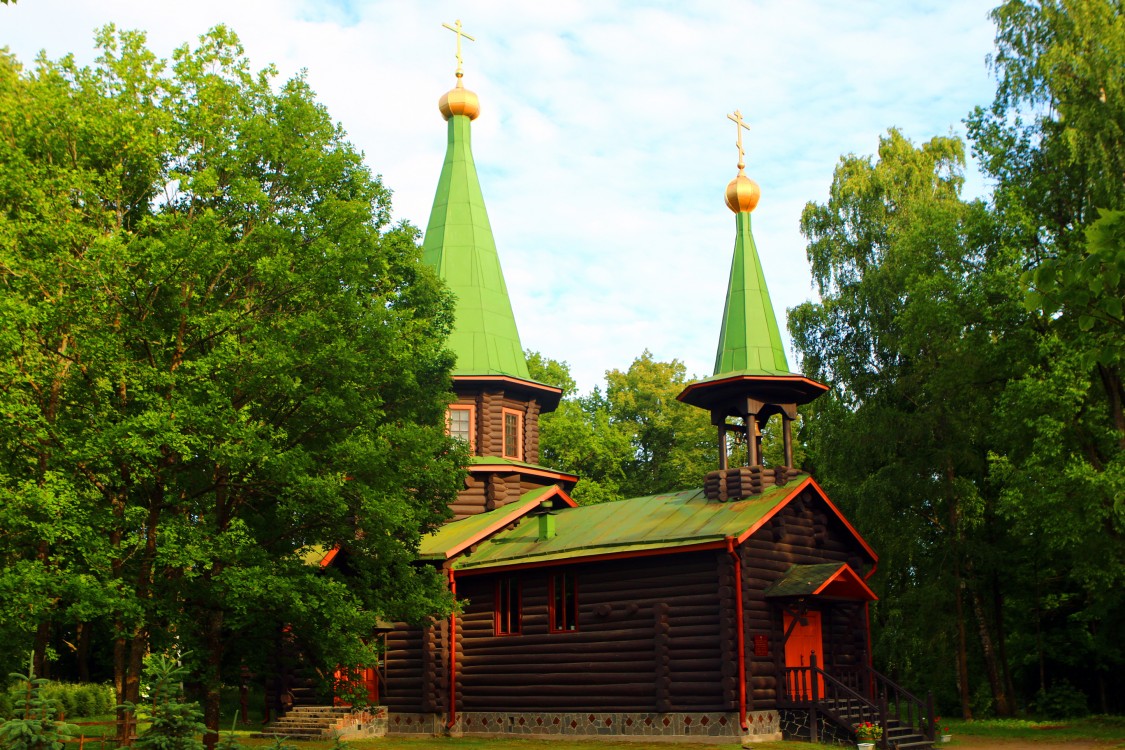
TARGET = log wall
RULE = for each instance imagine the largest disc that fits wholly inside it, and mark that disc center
(489, 426)
(805, 532)
(655, 634)
(648, 639)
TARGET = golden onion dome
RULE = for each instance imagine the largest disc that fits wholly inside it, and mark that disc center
(742, 194)
(459, 101)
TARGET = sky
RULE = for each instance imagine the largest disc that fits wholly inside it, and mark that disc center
(603, 144)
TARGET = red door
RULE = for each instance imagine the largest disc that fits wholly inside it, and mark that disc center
(369, 677)
(804, 641)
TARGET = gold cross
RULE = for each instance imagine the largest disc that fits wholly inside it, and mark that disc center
(456, 29)
(737, 119)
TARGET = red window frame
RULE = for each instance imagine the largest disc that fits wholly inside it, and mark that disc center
(508, 609)
(562, 603)
(472, 412)
(516, 433)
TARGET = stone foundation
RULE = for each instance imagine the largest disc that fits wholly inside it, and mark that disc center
(361, 723)
(717, 727)
(795, 726)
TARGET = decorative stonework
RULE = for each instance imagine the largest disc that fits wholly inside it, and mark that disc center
(795, 726)
(697, 727)
(371, 722)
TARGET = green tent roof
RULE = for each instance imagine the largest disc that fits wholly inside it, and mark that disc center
(459, 244)
(655, 522)
(750, 341)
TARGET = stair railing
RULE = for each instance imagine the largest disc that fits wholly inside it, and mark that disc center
(908, 708)
(814, 689)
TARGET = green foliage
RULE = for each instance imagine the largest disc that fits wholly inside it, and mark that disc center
(1061, 701)
(174, 722)
(635, 439)
(217, 353)
(920, 324)
(36, 724)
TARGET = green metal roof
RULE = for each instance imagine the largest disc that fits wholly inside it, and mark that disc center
(629, 526)
(825, 579)
(459, 244)
(454, 537)
(516, 465)
(750, 342)
(802, 580)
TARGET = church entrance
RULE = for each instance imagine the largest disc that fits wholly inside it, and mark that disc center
(805, 639)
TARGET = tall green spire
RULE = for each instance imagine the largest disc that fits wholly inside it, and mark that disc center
(750, 341)
(459, 244)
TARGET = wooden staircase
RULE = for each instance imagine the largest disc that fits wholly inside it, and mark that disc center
(908, 723)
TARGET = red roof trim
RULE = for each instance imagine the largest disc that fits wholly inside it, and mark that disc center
(846, 570)
(845, 521)
(703, 546)
(517, 513)
(329, 556)
(769, 516)
(809, 481)
(517, 469)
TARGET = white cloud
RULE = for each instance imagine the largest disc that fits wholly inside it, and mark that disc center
(603, 144)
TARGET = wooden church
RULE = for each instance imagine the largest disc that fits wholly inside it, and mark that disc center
(736, 610)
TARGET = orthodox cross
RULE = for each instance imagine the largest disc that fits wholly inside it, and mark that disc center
(736, 118)
(456, 29)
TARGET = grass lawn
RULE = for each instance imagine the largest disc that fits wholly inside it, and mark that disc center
(1089, 728)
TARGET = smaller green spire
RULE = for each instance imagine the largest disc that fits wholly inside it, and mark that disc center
(750, 341)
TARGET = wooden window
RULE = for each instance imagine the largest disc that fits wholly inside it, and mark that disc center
(513, 434)
(509, 609)
(563, 603)
(460, 422)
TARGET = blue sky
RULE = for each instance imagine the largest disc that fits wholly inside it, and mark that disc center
(603, 144)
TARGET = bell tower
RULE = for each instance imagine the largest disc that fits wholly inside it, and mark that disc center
(751, 381)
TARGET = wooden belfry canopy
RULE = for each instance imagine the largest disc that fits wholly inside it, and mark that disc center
(752, 380)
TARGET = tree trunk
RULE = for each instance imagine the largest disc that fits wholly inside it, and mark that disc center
(999, 695)
(39, 662)
(1001, 641)
(959, 606)
(82, 651)
(212, 681)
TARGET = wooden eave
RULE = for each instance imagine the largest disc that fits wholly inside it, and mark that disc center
(712, 393)
(548, 396)
(516, 467)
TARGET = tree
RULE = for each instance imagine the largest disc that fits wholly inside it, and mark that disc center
(917, 331)
(636, 439)
(579, 436)
(217, 356)
(1053, 141)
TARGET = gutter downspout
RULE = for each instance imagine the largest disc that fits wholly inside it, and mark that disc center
(452, 655)
(741, 634)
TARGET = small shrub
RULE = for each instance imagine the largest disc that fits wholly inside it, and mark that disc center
(36, 725)
(84, 700)
(1061, 701)
(175, 723)
(104, 699)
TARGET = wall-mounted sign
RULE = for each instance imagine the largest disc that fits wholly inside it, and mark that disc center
(761, 645)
